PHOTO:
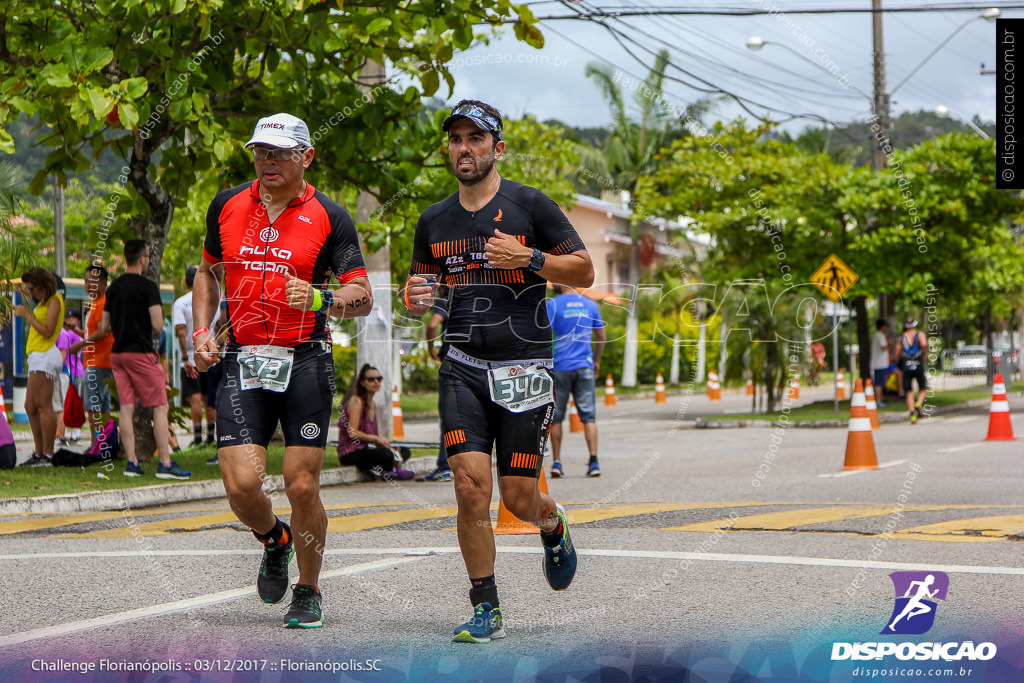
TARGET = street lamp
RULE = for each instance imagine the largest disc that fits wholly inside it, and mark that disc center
(943, 112)
(991, 14)
(755, 43)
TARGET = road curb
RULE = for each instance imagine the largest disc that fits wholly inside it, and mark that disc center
(884, 418)
(165, 494)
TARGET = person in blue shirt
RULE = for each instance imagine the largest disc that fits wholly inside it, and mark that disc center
(579, 342)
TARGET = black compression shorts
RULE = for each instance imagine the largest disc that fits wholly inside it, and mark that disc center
(471, 421)
(304, 408)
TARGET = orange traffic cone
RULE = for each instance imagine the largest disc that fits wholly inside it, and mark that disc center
(509, 523)
(750, 387)
(397, 430)
(840, 386)
(609, 392)
(872, 406)
(860, 444)
(714, 388)
(575, 423)
(3, 403)
(999, 427)
(794, 389)
(659, 389)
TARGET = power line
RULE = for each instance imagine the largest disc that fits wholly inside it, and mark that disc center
(619, 12)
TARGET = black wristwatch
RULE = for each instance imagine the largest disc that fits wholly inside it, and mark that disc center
(537, 260)
(328, 298)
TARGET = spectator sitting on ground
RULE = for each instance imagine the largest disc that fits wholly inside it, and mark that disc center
(359, 442)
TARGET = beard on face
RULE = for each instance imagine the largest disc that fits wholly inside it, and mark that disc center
(473, 176)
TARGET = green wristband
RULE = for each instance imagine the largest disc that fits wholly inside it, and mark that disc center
(318, 300)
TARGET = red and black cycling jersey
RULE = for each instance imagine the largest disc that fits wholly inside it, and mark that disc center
(493, 313)
(311, 239)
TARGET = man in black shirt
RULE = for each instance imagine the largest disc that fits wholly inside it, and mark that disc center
(133, 313)
(495, 244)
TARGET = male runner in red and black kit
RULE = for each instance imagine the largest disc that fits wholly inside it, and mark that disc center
(495, 244)
(275, 240)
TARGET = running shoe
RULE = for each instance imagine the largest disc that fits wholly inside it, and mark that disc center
(305, 611)
(38, 461)
(133, 469)
(272, 582)
(485, 626)
(917, 409)
(560, 561)
(913, 418)
(171, 472)
(556, 470)
(439, 475)
(213, 461)
(594, 470)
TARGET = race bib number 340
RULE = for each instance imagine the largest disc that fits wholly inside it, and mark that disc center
(520, 388)
(265, 367)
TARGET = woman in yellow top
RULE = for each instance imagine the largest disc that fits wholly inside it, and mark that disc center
(44, 359)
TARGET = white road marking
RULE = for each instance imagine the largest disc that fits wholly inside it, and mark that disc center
(954, 449)
(171, 607)
(849, 473)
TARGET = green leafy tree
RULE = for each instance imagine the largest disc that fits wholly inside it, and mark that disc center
(14, 253)
(173, 88)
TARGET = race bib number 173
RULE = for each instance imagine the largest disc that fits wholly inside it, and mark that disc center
(520, 388)
(265, 367)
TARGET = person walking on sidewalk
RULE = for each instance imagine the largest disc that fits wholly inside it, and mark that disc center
(194, 384)
(910, 355)
(880, 359)
(95, 348)
(579, 342)
(495, 244)
(276, 240)
(133, 313)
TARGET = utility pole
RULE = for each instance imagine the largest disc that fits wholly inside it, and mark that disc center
(373, 340)
(878, 163)
(59, 252)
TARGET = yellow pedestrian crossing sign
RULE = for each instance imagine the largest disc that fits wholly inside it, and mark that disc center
(834, 278)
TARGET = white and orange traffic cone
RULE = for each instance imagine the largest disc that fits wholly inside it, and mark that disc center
(860, 444)
(750, 387)
(609, 392)
(714, 387)
(794, 389)
(840, 386)
(3, 403)
(575, 423)
(872, 405)
(659, 389)
(397, 428)
(510, 524)
(999, 427)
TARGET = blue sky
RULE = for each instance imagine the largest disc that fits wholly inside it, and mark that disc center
(550, 83)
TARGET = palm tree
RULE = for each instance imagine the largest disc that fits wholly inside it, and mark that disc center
(629, 152)
(14, 256)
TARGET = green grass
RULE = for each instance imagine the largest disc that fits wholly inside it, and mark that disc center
(823, 410)
(24, 482)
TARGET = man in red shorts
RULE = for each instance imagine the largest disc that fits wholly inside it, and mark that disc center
(132, 311)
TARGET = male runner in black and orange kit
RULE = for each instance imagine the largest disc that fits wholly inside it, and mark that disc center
(495, 244)
(275, 240)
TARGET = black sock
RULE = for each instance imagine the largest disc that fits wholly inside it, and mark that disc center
(211, 431)
(593, 460)
(484, 590)
(306, 585)
(552, 538)
(279, 535)
(197, 433)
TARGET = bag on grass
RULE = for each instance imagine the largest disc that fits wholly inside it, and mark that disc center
(105, 445)
(74, 410)
(67, 458)
(8, 453)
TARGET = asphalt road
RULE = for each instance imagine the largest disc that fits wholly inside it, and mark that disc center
(693, 566)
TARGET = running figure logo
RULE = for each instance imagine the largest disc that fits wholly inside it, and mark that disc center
(914, 613)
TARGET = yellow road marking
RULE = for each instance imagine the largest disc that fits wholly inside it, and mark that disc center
(985, 528)
(193, 523)
(787, 519)
(596, 514)
(373, 521)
